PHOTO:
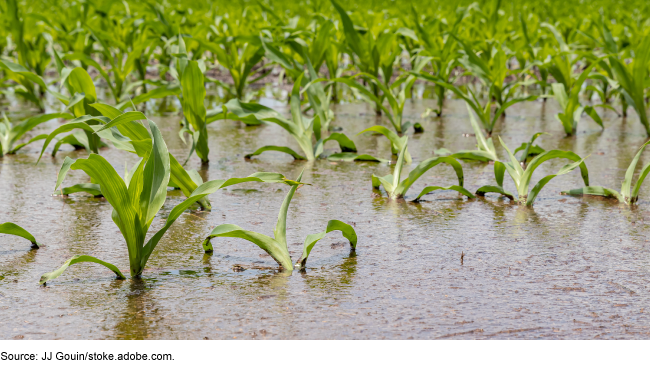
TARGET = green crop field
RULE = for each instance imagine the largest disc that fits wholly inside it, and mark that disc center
(91, 76)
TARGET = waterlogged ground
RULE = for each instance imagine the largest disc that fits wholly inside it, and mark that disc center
(568, 268)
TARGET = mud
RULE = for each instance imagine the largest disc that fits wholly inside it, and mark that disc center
(574, 268)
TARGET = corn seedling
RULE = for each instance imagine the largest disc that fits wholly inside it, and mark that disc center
(193, 97)
(30, 85)
(276, 246)
(137, 199)
(125, 131)
(10, 134)
(239, 55)
(16, 230)
(627, 195)
(529, 150)
(521, 177)
(484, 112)
(441, 48)
(632, 79)
(567, 93)
(302, 129)
(395, 93)
(397, 188)
(396, 142)
(485, 147)
(375, 54)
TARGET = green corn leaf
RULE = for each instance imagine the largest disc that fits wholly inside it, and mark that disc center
(157, 93)
(156, 176)
(249, 113)
(494, 189)
(182, 179)
(77, 140)
(350, 156)
(116, 193)
(457, 188)
(629, 174)
(60, 176)
(201, 192)
(425, 166)
(472, 155)
(18, 147)
(333, 225)
(92, 189)
(529, 149)
(594, 116)
(266, 243)
(396, 142)
(123, 119)
(530, 199)
(344, 142)
(22, 71)
(75, 260)
(29, 124)
(514, 168)
(280, 231)
(274, 54)
(193, 89)
(548, 155)
(286, 150)
(499, 172)
(559, 93)
(16, 230)
(78, 123)
(351, 35)
(637, 186)
(596, 190)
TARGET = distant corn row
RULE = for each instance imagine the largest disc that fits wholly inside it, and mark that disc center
(493, 54)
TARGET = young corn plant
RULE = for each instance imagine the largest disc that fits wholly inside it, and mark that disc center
(302, 129)
(137, 199)
(521, 177)
(125, 131)
(193, 97)
(16, 230)
(529, 150)
(567, 94)
(31, 86)
(627, 195)
(11, 134)
(375, 54)
(485, 115)
(396, 93)
(485, 147)
(239, 56)
(276, 246)
(633, 78)
(396, 188)
(122, 57)
(441, 47)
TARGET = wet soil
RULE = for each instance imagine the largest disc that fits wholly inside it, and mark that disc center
(574, 268)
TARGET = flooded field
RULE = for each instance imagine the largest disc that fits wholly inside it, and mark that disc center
(446, 268)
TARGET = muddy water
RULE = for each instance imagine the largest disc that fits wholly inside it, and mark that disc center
(568, 268)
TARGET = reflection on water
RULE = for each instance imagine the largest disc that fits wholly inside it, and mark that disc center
(134, 322)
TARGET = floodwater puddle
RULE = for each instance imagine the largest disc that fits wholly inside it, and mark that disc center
(566, 268)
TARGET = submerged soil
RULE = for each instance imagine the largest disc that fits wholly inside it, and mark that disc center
(574, 268)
